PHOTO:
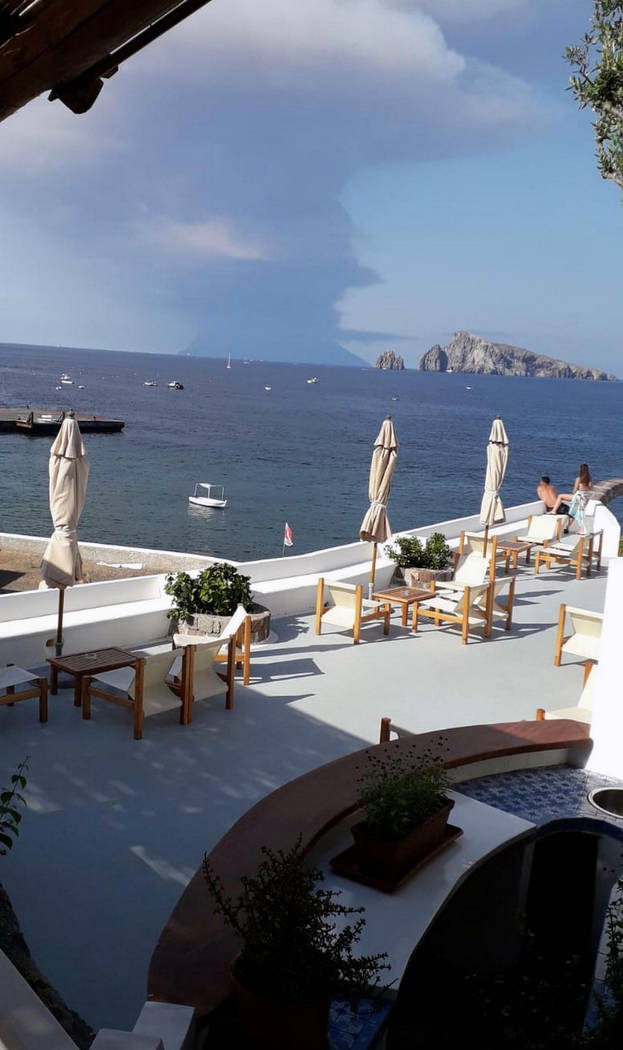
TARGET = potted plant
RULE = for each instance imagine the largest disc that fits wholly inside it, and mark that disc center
(420, 563)
(292, 958)
(204, 603)
(405, 807)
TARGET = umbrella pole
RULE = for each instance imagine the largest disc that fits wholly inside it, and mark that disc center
(372, 572)
(59, 626)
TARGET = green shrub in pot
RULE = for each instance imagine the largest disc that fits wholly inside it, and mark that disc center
(217, 591)
(405, 807)
(295, 949)
(409, 553)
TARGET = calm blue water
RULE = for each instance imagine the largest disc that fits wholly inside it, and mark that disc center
(299, 453)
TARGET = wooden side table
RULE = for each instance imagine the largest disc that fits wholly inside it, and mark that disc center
(403, 596)
(87, 665)
(511, 549)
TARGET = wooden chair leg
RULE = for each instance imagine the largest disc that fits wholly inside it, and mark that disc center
(511, 602)
(188, 674)
(43, 699)
(247, 651)
(578, 571)
(560, 641)
(465, 630)
(319, 601)
(231, 653)
(138, 700)
(588, 667)
(537, 562)
(86, 698)
(357, 623)
(385, 724)
(414, 617)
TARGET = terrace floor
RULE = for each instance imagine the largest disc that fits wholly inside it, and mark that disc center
(115, 828)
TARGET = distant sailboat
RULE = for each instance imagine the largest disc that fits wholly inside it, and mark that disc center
(228, 361)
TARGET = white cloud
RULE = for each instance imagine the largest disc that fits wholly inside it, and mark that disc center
(200, 240)
(45, 136)
(334, 35)
(461, 10)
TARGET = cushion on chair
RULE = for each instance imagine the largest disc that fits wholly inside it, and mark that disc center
(206, 682)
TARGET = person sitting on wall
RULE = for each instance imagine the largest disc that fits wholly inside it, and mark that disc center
(547, 492)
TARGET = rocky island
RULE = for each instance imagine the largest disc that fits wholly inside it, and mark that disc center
(471, 353)
(390, 359)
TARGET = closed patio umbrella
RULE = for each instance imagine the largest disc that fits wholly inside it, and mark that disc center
(492, 509)
(375, 526)
(61, 565)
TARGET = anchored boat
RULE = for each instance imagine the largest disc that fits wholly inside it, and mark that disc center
(206, 495)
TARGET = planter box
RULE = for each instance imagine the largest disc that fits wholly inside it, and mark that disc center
(206, 623)
(269, 1024)
(386, 858)
(414, 577)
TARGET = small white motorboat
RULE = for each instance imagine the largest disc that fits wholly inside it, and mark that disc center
(175, 385)
(206, 495)
(67, 382)
(81, 386)
(314, 379)
(268, 388)
(151, 382)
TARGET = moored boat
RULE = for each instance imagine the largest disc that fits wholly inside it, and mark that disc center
(207, 495)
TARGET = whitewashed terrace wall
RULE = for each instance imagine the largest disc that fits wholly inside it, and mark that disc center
(286, 585)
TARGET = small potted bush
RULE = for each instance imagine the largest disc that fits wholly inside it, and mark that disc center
(204, 603)
(418, 563)
(405, 808)
(293, 959)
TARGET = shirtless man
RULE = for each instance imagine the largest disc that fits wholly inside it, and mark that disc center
(547, 492)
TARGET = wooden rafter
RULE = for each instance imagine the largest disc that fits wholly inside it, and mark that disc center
(67, 46)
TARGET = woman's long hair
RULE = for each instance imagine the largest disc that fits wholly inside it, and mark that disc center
(585, 475)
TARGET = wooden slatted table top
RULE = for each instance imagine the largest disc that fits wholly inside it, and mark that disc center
(93, 662)
(515, 545)
(402, 594)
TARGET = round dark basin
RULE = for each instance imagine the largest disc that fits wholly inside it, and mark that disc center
(608, 800)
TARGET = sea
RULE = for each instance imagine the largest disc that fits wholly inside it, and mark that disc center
(287, 450)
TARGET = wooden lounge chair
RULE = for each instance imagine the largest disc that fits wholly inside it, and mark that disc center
(470, 571)
(584, 639)
(200, 678)
(573, 550)
(388, 727)
(349, 609)
(474, 542)
(581, 712)
(10, 676)
(543, 529)
(145, 689)
(467, 607)
(240, 627)
(497, 608)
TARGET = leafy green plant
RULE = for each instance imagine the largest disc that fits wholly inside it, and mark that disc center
(409, 553)
(399, 790)
(291, 948)
(10, 816)
(217, 590)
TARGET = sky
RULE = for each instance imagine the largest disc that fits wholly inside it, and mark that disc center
(286, 179)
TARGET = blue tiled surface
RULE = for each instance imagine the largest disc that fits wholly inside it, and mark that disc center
(349, 1031)
(541, 795)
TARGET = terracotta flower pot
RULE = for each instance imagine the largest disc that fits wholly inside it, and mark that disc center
(269, 1024)
(391, 858)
